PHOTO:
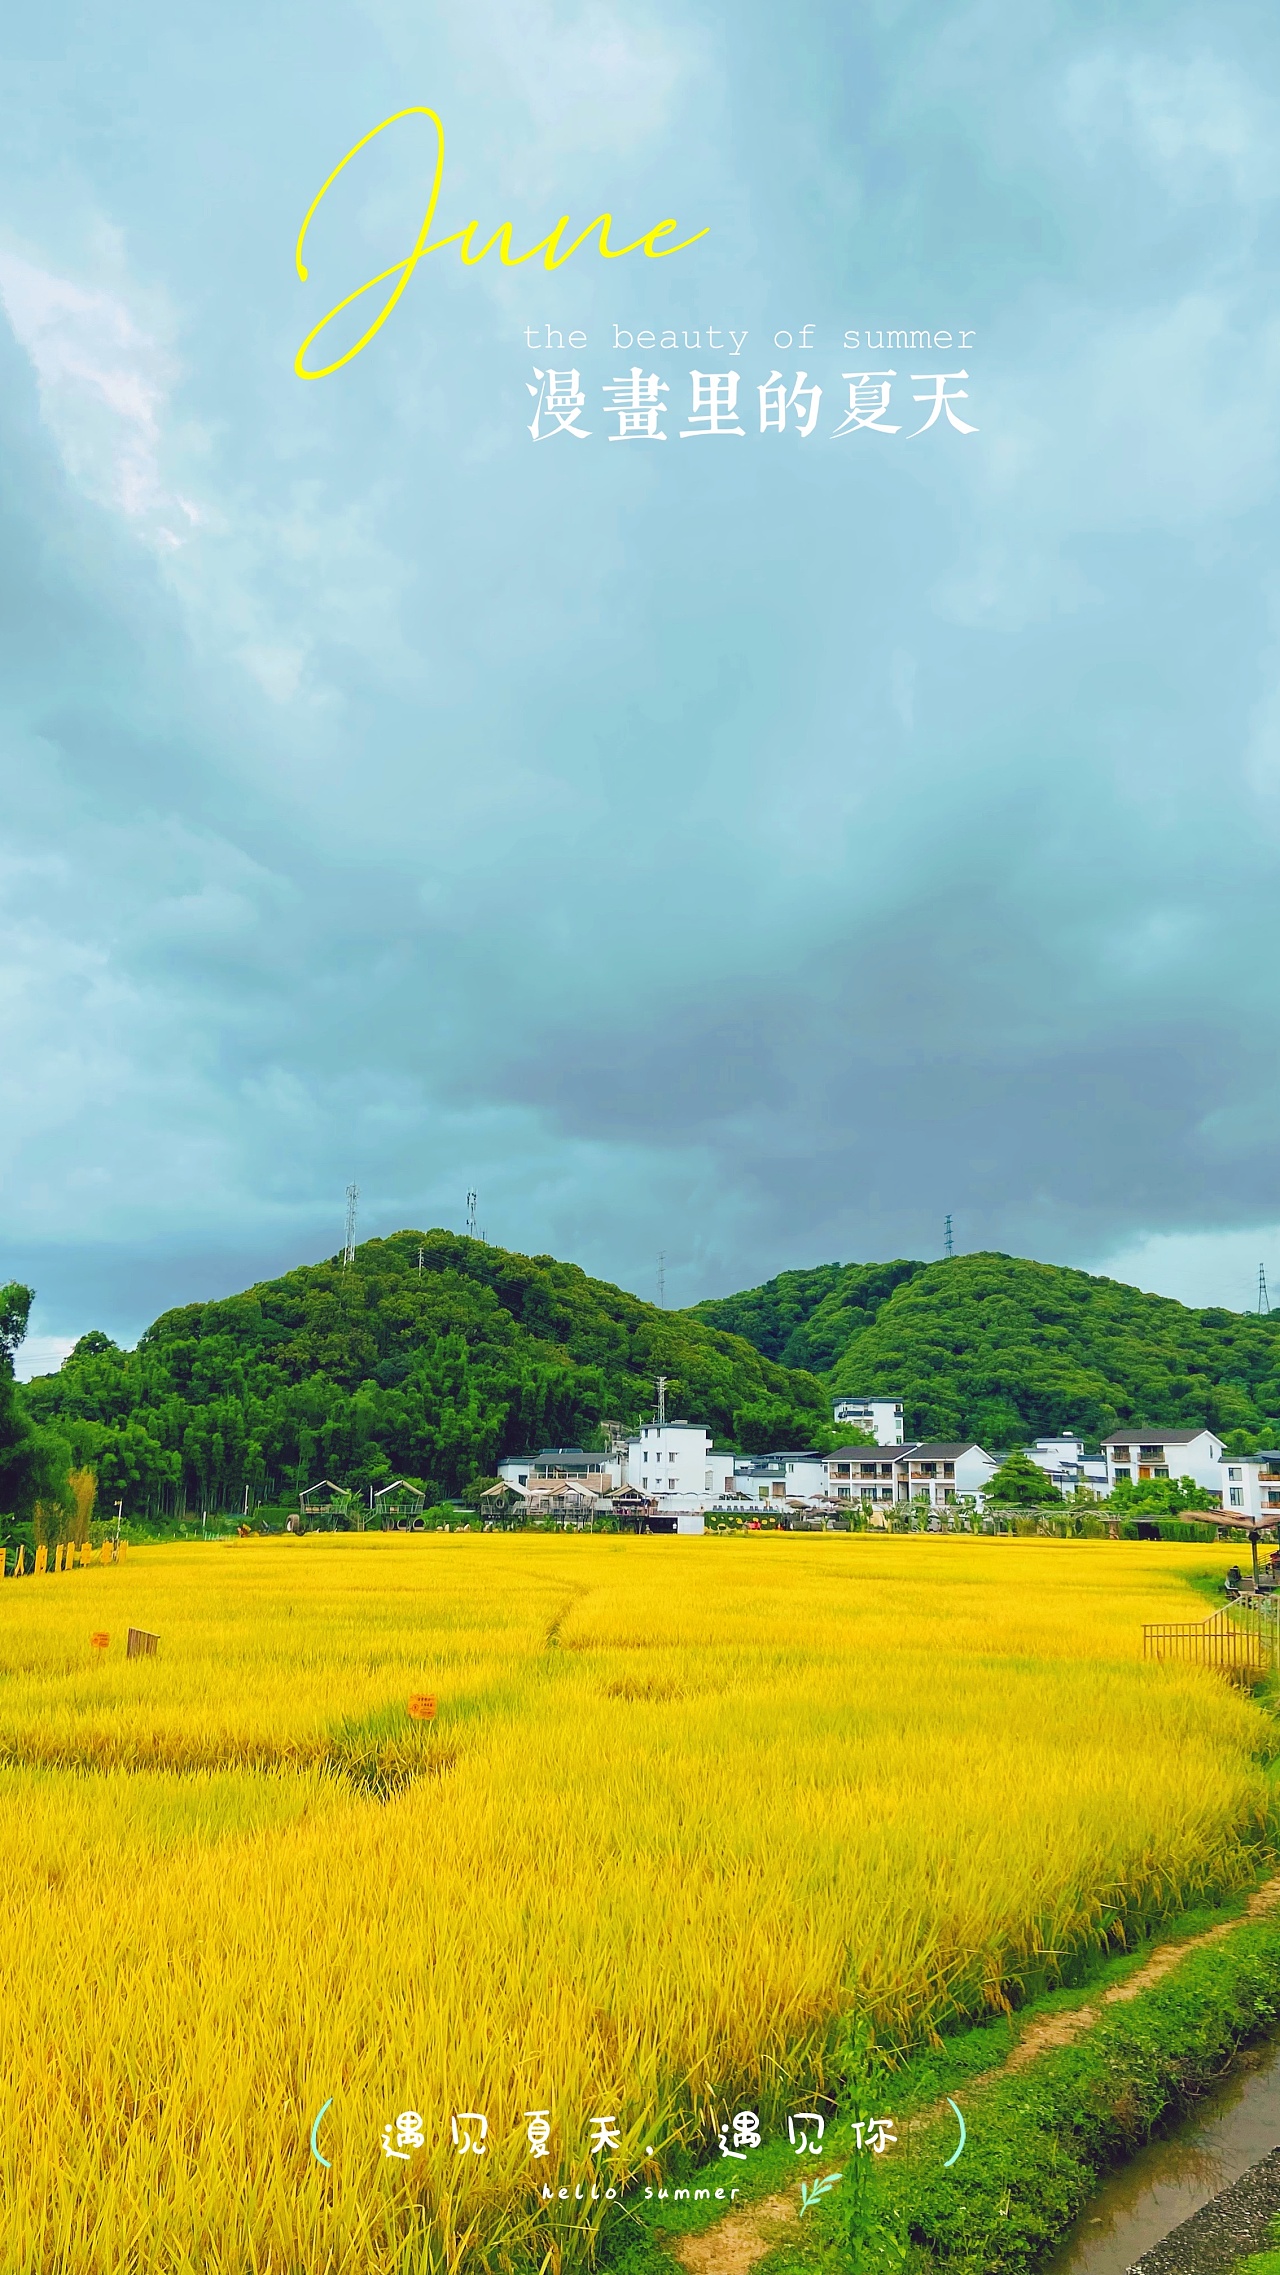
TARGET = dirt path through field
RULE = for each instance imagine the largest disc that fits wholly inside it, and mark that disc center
(734, 2245)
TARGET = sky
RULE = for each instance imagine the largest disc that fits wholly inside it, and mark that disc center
(737, 849)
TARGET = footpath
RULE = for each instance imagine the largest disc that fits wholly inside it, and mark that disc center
(735, 2244)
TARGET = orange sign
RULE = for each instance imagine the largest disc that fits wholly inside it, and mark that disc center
(99, 1641)
(422, 1706)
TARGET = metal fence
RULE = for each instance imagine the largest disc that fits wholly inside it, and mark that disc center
(1241, 1641)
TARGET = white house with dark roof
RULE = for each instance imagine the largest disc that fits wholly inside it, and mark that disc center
(941, 1471)
(1137, 1454)
(862, 1473)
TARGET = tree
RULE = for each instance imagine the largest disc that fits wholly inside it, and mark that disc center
(1020, 1483)
(765, 1425)
(23, 1461)
(1160, 1496)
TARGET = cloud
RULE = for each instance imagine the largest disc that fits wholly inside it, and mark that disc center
(103, 383)
(751, 859)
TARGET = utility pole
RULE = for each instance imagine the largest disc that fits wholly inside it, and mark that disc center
(349, 1244)
(949, 1248)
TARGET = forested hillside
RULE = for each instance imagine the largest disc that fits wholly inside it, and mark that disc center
(1002, 1349)
(431, 1355)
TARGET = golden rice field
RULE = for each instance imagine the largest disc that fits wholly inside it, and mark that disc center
(684, 1805)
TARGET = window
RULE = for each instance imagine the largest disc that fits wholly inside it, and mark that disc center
(844, 1492)
(1232, 1472)
(1161, 1472)
(948, 1469)
(867, 1469)
(842, 1469)
(1151, 1453)
(1235, 1496)
(927, 1469)
(1119, 1453)
(1273, 1500)
(1122, 1473)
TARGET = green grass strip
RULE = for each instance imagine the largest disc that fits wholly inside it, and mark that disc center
(1039, 2141)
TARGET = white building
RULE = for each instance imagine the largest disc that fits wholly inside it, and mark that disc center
(1067, 1465)
(794, 1476)
(677, 1458)
(926, 1470)
(598, 1472)
(940, 1472)
(861, 1473)
(881, 1416)
(1139, 1454)
(1251, 1486)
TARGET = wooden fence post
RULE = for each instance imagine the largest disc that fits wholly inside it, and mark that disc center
(42, 1558)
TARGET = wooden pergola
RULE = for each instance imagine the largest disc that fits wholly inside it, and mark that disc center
(1240, 1523)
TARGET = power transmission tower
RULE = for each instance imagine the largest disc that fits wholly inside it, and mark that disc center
(662, 1280)
(950, 1250)
(349, 1244)
(471, 1216)
(1264, 1300)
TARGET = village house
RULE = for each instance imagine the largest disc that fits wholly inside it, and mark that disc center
(597, 1472)
(1251, 1486)
(881, 1415)
(678, 1458)
(788, 1476)
(940, 1472)
(1137, 1454)
(1067, 1466)
(861, 1473)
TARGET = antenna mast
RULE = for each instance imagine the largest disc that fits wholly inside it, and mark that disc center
(471, 1216)
(1264, 1300)
(662, 1280)
(949, 1248)
(349, 1244)
(662, 1401)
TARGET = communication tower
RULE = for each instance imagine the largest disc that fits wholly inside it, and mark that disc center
(471, 1216)
(949, 1249)
(662, 1280)
(1264, 1300)
(349, 1244)
(662, 1400)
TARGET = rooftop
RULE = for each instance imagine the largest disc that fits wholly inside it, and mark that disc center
(930, 1450)
(1153, 1434)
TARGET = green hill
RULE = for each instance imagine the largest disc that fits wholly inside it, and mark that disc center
(431, 1355)
(1003, 1349)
